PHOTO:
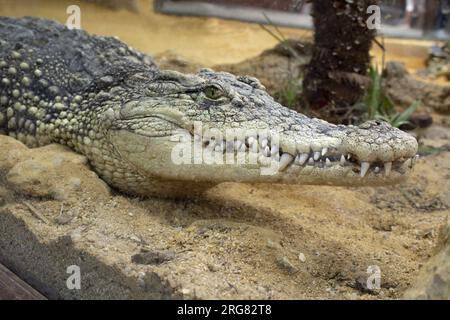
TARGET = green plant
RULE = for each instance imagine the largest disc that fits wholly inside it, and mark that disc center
(290, 93)
(377, 105)
(278, 35)
(428, 150)
(398, 119)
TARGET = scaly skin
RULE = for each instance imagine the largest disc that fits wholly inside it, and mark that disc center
(112, 104)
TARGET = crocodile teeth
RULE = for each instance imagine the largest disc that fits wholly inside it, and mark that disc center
(263, 160)
(274, 150)
(230, 146)
(409, 163)
(285, 160)
(387, 168)
(250, 141)
(342, 162)
(364, 168)
(264, 143)
(324, 151)
(316, 155)
(327, 162)
(414, 160)
(303, 158)
(266, 151)
(276, 157)
(238, 144)
(311, 161)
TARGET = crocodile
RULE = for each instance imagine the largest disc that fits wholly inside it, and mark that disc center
(135, 123)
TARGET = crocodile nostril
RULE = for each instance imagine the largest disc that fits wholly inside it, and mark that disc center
(238, 103)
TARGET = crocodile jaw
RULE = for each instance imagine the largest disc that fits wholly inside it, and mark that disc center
(337, 159)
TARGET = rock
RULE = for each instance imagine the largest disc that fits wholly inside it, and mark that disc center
(285, 264)
(438, 62)
(273, 245)
(52, 171)
(433, 282)
(437, 132)
(63, 219)
(12, 152)
(171, 61)
(301, 257)
(361, 281)
(421, 120)
(153, 257)
(30, 177)
(404, 89)
(274, 67)
(152, 282)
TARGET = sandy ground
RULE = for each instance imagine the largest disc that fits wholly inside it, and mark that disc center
(239, 241)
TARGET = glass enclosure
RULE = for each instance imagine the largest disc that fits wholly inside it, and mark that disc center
(401, 18)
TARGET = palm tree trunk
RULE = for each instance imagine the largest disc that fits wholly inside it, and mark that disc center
(336, 77)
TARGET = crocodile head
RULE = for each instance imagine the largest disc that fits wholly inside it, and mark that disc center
(215, 127)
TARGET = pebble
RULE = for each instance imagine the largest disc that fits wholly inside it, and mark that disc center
(186, 291)
(301, 257)
(154, 257)
(284, 263)
(273, 245)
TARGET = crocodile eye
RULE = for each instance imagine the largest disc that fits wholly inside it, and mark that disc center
(213, 92)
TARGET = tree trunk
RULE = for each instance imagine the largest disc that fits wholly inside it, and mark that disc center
(335, 79)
